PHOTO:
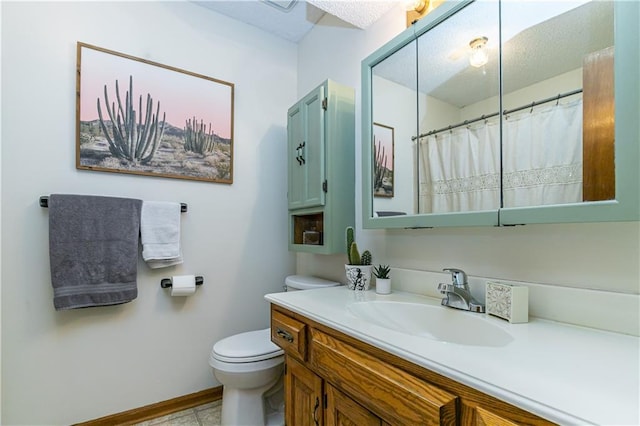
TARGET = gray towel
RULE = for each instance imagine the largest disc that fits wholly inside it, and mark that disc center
(93, 250)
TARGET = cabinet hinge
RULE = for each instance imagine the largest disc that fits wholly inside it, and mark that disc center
(324, 186)
(324, 104)
(324, 400)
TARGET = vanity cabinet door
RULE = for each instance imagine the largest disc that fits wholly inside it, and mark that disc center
(395, 395)
(343, 411)
(303, 395)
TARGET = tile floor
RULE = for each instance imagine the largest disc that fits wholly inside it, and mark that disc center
(202, 415)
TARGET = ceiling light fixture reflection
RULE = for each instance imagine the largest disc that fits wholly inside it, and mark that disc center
(479, 55)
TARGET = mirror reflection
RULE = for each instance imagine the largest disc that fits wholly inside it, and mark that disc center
(558, 100)
(459, 146)
(394, 111)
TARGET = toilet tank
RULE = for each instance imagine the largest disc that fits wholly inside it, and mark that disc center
(306, 282)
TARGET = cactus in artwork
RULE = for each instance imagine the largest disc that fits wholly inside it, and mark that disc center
(379, 166)
(196, 137)
(134, 141)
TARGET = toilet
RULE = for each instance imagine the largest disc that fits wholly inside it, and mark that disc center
(249, 366)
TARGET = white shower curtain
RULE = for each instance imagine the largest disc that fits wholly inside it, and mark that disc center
(460, 169)
(542, 156)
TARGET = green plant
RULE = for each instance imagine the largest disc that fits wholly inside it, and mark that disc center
(352, 250)
(382, 271)
(131, 140)
(196, 137)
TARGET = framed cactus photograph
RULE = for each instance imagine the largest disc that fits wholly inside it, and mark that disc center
(382, 160)
(141, 117)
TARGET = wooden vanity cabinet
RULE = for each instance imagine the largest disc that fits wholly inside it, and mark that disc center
(340, 380)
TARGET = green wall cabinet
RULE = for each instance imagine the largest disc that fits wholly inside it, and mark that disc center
(321, 169)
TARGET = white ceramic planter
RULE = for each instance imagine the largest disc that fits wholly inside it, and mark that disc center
(358, 277)
(383, 285)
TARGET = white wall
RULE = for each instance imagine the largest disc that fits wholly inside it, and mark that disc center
(596, 256)
(71, 366)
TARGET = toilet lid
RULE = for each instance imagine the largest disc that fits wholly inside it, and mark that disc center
(307, 282)
(247, 347)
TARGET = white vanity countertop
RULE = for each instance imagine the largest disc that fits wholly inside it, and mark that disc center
(566, 374)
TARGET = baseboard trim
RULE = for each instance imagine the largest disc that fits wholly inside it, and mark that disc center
(158, 409)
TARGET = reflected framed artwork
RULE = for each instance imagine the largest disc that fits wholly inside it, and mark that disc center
(382, 160)
(141, 117)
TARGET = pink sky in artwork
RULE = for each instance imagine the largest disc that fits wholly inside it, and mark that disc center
(182, 96)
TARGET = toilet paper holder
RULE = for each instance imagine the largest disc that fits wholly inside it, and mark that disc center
(166, 282)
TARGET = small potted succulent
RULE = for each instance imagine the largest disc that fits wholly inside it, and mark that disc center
(383, 279)
(358, 269)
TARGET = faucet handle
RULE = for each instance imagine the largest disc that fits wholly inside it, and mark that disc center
(458, 276)
(445, 288)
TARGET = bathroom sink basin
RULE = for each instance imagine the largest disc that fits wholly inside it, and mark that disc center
(433, 322)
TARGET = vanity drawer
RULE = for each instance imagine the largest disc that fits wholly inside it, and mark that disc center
(391, 393)
(290, 334)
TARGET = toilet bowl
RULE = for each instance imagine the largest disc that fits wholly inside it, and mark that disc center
(249, 366)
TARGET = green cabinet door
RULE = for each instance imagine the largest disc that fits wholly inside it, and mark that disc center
(306, 152)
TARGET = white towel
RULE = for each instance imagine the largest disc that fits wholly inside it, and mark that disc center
(160, 233)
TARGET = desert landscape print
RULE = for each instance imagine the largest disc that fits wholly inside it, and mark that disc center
(140, 117)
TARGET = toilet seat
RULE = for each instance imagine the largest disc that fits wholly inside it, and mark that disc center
(252, 346)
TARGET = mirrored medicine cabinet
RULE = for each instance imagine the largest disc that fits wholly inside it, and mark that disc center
(504, 113)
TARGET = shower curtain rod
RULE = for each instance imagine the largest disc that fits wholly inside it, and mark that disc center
(505, 112)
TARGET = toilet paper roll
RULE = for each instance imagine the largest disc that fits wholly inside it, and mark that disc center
(183, 285)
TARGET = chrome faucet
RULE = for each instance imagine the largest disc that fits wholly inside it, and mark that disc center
(457, 294)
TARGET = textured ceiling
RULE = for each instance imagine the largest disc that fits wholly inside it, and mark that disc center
(293, 19)
(360, 14)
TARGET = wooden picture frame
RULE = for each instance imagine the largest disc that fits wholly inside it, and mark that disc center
(383, 160)
(141, 117)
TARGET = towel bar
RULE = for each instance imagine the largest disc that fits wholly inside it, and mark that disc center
(166, 282)
(44, 202)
